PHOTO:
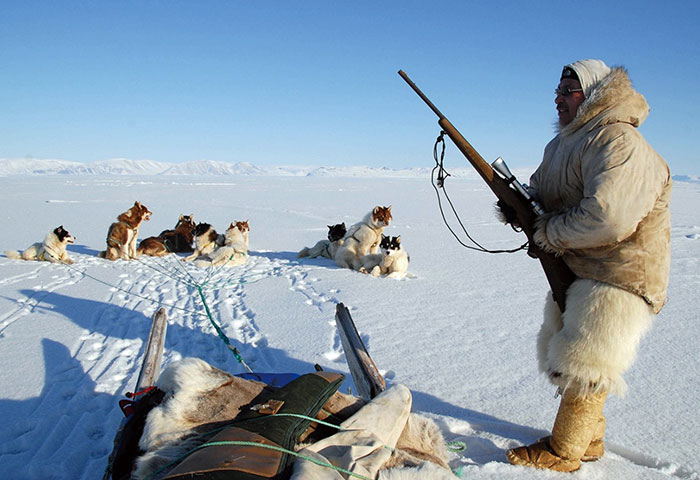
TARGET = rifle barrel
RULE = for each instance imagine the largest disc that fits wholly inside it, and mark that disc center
(421, 94)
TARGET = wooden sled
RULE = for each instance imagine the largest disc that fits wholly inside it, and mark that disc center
(366, 378)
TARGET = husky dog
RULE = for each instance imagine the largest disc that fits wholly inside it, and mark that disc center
(326, 248)
(234, 250)
(392, 262)
(170, 241)
(206, 240)
(363, 238)
(122, 235)
(52, 249)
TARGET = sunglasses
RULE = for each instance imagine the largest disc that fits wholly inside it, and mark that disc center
(566, 91)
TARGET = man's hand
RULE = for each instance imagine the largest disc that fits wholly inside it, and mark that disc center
(506, 214)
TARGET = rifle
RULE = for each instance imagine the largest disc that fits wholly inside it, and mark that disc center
(510, 191)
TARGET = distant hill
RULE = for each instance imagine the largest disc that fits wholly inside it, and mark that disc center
(124, 166)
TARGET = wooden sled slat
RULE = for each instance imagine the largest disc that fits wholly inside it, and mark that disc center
(368, 381)
(153, 355)
(150, 369)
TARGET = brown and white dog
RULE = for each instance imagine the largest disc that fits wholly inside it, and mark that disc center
(363, 238)
(233, 252)
(122, 234)
(52, 249)
(206, 240)
(178, 240)
(326, 248)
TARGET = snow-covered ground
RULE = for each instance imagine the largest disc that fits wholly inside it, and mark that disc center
(460, 335)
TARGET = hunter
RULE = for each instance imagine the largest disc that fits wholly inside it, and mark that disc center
(607, 193)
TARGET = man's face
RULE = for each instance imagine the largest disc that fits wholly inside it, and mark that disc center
(567, 105)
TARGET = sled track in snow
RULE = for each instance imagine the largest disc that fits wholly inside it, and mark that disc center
(60, 278)
(138, 288)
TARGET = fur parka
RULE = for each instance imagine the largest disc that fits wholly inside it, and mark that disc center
(608, 193)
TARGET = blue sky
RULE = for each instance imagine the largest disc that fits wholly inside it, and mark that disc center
(315, 82)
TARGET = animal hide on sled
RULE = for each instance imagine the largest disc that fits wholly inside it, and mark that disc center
(200, 398)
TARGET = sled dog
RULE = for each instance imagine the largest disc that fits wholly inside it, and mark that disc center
(326, 248)
(392, 261)
(363, 238)
(122, 234)
(52, 249)
(206, 240)
(234, 250)
(170, 241)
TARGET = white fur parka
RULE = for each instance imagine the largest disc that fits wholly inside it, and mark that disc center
(608, 193)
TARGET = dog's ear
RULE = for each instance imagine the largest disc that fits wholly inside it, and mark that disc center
(389, 208)
(231, 226)
(398, 239)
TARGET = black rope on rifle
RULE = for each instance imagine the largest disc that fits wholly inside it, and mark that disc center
(442, 175)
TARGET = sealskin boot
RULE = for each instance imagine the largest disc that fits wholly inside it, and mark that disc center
(596, 448)
(576, 425)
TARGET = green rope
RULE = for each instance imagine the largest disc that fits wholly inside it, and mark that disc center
(199, 287)
(456, 446)
(305, 417)
(261, 445)
(129, 292)
(220, 332)
(284, 450)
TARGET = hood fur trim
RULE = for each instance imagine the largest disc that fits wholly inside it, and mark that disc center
(613, 100)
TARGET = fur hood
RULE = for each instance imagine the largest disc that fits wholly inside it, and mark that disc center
(613, 100)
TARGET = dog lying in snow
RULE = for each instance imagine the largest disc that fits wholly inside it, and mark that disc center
(206, 240)
(363, 238)
(52, 249)
(122, 234)
(326, 248)
(233, 252)
(198, 397)
(392, 261)
(170, 241)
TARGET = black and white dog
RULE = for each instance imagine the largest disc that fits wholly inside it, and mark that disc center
(52, 249)
(326, 248)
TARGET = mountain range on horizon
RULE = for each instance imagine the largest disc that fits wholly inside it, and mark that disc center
(124, 166)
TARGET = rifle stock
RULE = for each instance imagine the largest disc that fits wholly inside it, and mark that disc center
(559, 275)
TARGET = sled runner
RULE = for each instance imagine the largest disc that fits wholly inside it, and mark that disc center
(124, 445)
(368, 381)
(200, 422)
(150, 368)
